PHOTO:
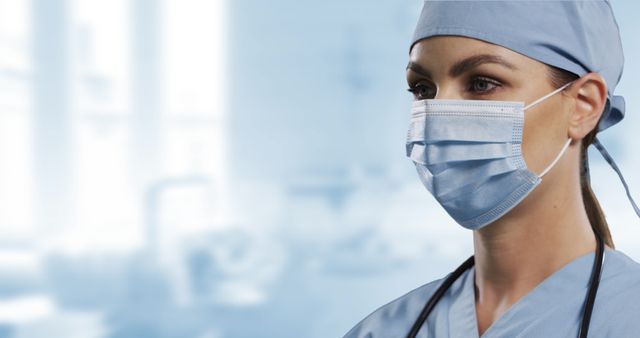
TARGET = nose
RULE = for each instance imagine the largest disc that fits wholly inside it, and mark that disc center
(448, 91)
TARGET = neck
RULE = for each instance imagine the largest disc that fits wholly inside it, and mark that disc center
(547, 230)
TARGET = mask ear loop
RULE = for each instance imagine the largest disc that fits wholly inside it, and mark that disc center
(564, 148)
(548, 95)
(566, 145)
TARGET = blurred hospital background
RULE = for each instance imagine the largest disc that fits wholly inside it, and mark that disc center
(226, 169)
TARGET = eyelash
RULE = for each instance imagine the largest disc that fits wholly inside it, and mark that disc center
(414, 88)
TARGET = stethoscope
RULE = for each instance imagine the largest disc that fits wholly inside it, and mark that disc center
(586, 315)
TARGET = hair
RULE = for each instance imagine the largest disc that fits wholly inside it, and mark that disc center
(559, 77)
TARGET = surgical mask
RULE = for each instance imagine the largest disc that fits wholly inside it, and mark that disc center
(468, 154)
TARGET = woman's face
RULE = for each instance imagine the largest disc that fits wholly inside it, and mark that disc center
(453, 67)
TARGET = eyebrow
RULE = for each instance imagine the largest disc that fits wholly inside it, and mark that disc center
(465, 65)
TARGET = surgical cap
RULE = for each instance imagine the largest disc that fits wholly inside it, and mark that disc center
(577, 36)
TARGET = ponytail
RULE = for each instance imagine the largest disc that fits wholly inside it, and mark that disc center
(591, 204)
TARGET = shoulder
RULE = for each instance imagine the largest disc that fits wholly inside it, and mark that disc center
(620, 270)
(620, 280)
(618, 298)
(395, 318)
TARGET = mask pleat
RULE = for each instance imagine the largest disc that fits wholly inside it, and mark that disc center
(465, 151)
(488, 195)
(435, 127)
(461, 175)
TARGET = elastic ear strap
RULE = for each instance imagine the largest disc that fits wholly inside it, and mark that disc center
(546, 96)
(564, 148)
(613, 165)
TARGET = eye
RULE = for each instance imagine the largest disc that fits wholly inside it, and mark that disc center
(423, 91)
(483, 85)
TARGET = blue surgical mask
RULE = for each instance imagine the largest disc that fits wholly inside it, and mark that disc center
(468, 154)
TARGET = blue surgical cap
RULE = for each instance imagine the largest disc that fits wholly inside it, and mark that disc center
(577, 36)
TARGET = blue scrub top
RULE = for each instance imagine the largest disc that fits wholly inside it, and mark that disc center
(551, 309)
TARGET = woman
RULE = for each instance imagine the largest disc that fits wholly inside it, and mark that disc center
(508, 97)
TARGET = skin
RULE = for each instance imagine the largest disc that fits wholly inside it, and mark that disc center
(550, 227)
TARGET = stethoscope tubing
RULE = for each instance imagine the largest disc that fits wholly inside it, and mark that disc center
(594, 282)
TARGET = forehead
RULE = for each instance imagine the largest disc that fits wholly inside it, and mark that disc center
(443, 51)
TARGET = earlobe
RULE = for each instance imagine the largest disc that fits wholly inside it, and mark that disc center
(590, 97)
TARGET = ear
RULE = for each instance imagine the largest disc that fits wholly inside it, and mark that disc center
(590, 95)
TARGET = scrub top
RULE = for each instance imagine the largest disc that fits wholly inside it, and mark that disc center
(552, 309)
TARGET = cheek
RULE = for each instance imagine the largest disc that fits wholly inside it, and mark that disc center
(544, 134)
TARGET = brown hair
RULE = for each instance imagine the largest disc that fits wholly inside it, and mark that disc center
(559, 77)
